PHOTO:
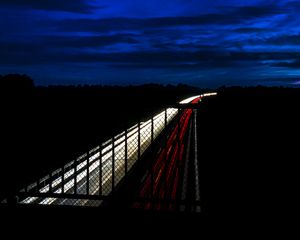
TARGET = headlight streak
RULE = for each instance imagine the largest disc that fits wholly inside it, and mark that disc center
(132, 133)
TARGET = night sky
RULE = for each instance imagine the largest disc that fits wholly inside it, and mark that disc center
(204, 43)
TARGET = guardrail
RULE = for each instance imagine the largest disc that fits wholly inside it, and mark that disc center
(98, 176)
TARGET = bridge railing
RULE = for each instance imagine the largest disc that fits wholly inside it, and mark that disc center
(143, 166)
(111, 159)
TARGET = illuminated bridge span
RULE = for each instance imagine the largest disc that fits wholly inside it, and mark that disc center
(162, 144)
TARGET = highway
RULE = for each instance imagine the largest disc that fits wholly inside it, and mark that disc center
(103, 174)
(162, 180)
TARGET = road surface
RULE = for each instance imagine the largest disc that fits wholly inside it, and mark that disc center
(103, 174)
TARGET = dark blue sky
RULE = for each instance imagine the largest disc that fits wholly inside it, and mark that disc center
(200, 42)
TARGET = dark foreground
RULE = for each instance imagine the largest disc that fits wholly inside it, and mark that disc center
(44, 128)
(248, 151)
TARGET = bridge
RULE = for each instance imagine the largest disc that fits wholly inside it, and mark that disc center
(152, 165)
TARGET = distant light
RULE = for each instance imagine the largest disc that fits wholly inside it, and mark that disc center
(188, 100)
(209, 94)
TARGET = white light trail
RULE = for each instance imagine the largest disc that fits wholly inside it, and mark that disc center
(106, 160)
(188, 100)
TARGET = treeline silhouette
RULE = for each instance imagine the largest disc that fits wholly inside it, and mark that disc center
(43, 128)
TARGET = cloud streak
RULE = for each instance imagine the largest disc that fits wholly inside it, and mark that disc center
(230, 16)
(218, 42)
(73, 6)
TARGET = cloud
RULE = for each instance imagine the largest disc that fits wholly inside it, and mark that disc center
(88, 41)
(38, 55)
(291, 64)
(64, 42)
(75, 6)
(43, 50)
(284, 80)
(285, 39)
(230, 38)
(178, 66)
(292, 5)
(252, 30)
(250, 12)
(71, 49)
(236, 15)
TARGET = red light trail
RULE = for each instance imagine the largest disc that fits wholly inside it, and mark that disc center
(162, 180)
